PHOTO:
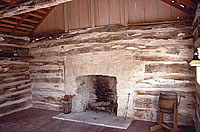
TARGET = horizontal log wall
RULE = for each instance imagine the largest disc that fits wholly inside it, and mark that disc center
(89, 13)
(146, 59)
(196, 34)
(15, 83)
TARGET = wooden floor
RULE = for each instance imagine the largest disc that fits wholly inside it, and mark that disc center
(38, 120)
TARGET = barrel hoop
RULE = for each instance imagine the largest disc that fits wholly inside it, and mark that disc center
(170, 99)
(175, 94)
(166, 108)
(169, 112)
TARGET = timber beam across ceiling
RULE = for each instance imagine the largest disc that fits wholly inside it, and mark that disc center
(186, 6)
(16, 7)
(24, 23)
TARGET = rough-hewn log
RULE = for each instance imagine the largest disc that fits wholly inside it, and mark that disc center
(145, 59)
(51, 80)
(47, 99)
(28, 6)
(13, 46)
(13, 107)
(196, 28)
(47, 105)
(15, 96)
(168, 68)
(15, 83)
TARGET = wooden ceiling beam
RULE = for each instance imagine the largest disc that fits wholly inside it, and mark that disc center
(7, 25)
(26, 25)
(8, 21)
(21, 32)
(188, 3)
(35, 15)
(26, 29)
(9, 31)
(20, 22)
(16, 17)
(41, 11)
(28, 6)
(31, 21)
(160, 22)
(176, 4)
(4, 29)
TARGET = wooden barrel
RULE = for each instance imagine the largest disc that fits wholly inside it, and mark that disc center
(167, 101)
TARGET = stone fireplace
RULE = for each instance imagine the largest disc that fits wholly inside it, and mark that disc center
(83, 70)
(97, 92)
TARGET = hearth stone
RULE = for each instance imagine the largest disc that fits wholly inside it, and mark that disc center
(93, 118)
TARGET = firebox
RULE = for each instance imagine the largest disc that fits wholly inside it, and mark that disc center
(97, 92)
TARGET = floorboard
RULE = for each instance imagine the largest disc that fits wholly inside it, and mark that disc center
(38, 120)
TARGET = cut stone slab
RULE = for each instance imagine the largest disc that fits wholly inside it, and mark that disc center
(96, 118)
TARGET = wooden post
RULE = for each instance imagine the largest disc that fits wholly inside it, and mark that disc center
(175, 122)
(161, 117)
(159, 126)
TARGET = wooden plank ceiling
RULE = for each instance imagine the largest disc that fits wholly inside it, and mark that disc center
(24, 23)
(187, 6)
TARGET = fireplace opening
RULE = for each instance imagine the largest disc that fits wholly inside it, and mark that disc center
(98, 93)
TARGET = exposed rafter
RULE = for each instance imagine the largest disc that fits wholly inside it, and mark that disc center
(24, 23)
(186, 6)
(23, 6)
(20, 22)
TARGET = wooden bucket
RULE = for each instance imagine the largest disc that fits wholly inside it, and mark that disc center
(167, 101)
(67, 106)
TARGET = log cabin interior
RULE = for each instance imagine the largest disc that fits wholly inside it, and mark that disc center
(99, 65)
